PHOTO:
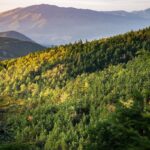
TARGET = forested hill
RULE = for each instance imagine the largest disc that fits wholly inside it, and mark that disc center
(62, 63)
(15, 35)
(12, 48)
(92, 95)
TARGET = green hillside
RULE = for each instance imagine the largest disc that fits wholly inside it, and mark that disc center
(93, 95)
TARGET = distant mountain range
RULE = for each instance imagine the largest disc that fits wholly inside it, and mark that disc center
(14, 44)
(48, 24)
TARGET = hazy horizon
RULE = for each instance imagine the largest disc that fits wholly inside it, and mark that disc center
(98, 5)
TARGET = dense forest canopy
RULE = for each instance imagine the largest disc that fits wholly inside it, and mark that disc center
(92, 95)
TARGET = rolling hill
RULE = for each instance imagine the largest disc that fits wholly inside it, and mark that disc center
(11, 48)
(51, 25)
(15, 35)
(92, 95)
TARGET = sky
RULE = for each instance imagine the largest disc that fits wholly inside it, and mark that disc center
(100, 5)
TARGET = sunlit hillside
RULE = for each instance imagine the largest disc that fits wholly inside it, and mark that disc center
(92, 95)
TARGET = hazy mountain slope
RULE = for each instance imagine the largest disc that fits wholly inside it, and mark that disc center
(15, 35)
(144, 13)
(10, 48)
(51, 24)
(5, 55)
(92, 95)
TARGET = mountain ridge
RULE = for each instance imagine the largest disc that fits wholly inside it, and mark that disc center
(15, 35)
(49, 5)
(59, 25)
(12, 48)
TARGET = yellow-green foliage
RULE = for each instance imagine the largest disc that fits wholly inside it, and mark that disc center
(92, 95)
